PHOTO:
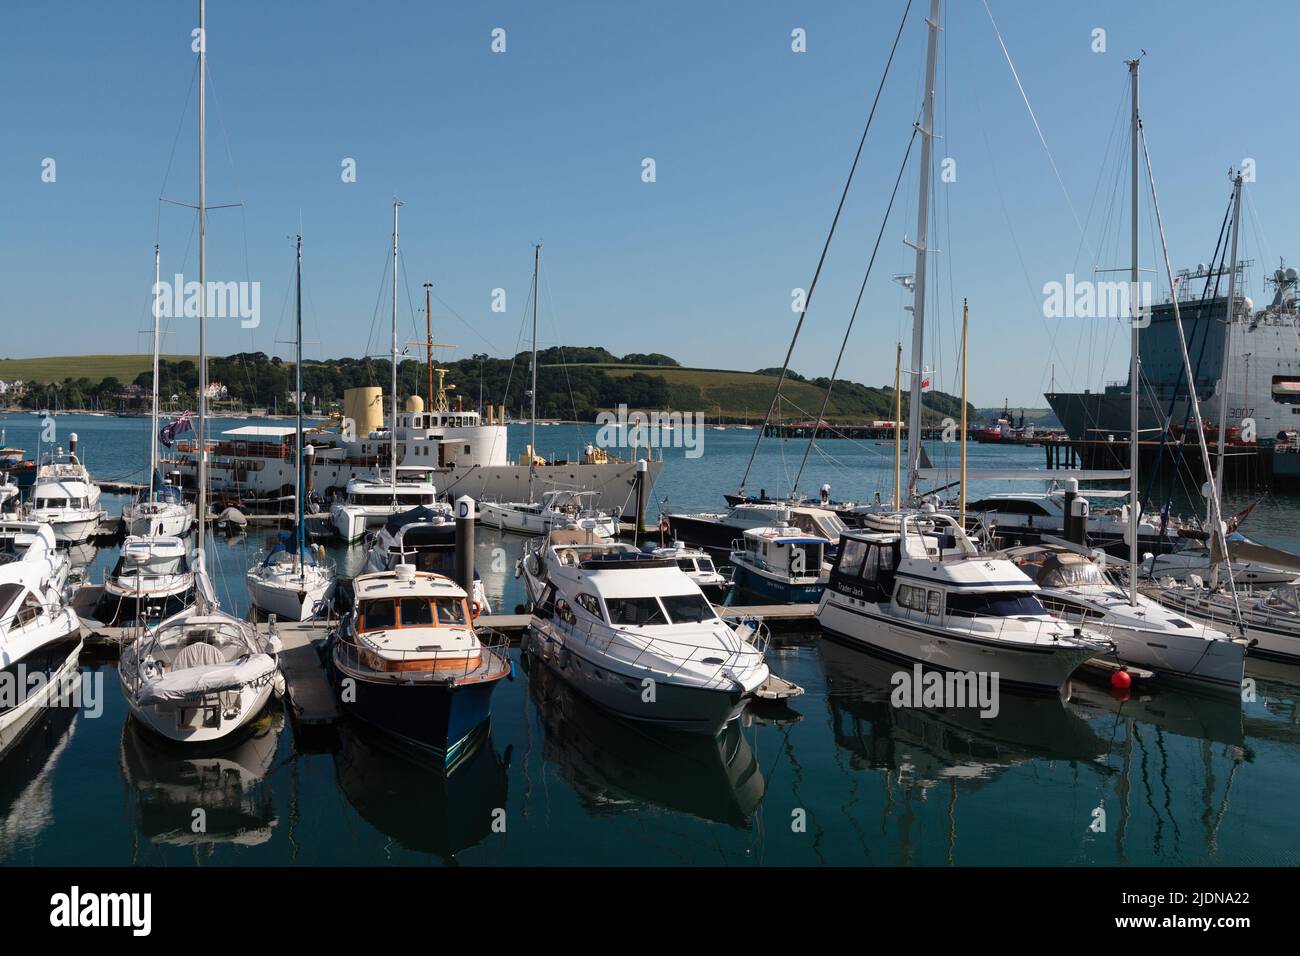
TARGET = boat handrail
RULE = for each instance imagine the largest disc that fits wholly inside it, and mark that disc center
(493, 657)
(1041, 623)
(662, 648)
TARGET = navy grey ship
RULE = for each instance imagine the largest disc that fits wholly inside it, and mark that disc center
(1263, 371)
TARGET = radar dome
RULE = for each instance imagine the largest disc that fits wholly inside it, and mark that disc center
(1291, 274)
(415, 404)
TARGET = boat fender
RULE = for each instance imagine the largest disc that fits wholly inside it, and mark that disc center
(511, 675)
(278, 684)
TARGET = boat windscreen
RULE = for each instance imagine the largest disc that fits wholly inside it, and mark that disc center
(687, 608)
(634, 611)
(1004, 604)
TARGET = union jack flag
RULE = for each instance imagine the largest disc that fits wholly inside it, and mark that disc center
(167, 435)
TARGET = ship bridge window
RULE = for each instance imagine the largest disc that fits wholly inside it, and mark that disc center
(687, 565)
(687, 608)
(1002, 604)
(637, 611)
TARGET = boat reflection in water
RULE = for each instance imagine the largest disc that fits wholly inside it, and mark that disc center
(168, 784)
(410, 797)
(929, 744)
(616, 766)
(26, 787)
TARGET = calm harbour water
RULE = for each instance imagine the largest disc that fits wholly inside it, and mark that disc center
(1182, 780)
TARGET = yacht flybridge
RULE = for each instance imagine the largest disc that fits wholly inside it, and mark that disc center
(925, 593)
(634, 633)
(65, 497)
(370, 502)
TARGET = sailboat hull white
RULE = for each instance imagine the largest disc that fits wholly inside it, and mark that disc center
(287, 599)
(190, 723)
(1218, 664)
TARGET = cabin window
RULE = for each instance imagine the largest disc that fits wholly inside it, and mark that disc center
(687, 565)
(467, 449)
(687, 608)
(416, 612)
(31, 609)
(588, 603)
(1003, 604)
(910, 597)
(377, 615)
(635, 611)
(8, 595)
(451, 611)
(852, 557)
(932, 603)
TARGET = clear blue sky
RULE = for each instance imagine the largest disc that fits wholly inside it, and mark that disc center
(752, 142)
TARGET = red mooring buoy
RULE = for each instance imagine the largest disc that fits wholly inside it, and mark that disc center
(1121, 680)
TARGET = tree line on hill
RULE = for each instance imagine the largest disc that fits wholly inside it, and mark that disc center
(572, 383)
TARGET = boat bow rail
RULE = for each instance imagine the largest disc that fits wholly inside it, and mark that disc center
(710, 667)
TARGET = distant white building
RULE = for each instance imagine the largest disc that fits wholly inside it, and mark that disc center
(16, 387)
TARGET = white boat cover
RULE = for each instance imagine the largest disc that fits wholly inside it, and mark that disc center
(203, 679)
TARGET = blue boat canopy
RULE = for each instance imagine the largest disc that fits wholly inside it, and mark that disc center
(284, 546)
(417, 515)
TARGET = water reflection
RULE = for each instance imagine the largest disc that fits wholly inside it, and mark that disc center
(928, 745)
(168, 784)
(411, 799)
(26, 787)
(618, 767)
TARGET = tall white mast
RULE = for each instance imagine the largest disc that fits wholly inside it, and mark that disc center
(153, 428)
(203, 289)
(1135, 360)
(922, 228)
(1227, 358)
(392, 423)
(532, 448)
(299, 531)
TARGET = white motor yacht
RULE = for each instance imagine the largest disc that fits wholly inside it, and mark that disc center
(65, 497)
(558, 508)
(922, 592)
(780, 565)
(698, 566)
(161, 512)
(151, 581)
(40, 635)
(634, 634)
(370, 502)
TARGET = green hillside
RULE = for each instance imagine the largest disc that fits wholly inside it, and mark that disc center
(124, 368)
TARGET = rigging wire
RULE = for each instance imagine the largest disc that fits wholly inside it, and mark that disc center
(785, 367)
(884, 222)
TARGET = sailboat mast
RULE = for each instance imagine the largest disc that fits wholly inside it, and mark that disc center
(299, 539)
(532, 438)
(153, 418)
(922, 229)
(898, 425)
(1227, 355)
(1135, 360)
(202, 471)
(392, 423)
(965, 318)
(428, 336)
